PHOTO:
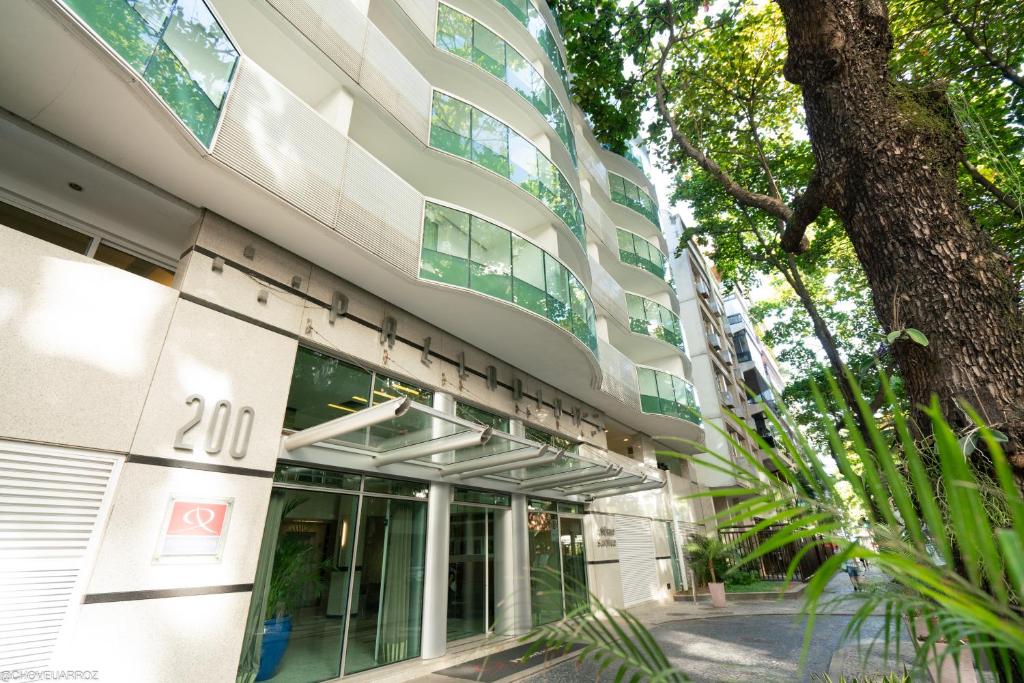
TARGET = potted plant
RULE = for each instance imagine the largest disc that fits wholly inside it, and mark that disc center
(709, 558)
(296, 574)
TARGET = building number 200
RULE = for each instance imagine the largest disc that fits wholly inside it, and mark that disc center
(217, 430)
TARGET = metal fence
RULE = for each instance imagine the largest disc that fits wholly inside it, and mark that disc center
(773, 566)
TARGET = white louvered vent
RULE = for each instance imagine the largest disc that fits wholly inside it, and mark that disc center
(638, 568)
(50, 503)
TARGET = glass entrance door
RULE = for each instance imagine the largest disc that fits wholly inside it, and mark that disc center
(387, 589)
(470, 571)
(574, 563)
(545, 568)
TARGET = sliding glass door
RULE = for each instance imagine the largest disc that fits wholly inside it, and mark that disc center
(387, 594)
(574, 563)
(470, 571)
(558, 563)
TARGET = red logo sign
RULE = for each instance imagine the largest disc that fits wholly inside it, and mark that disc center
(196, 519)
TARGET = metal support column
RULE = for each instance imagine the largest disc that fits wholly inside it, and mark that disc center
(435, 575)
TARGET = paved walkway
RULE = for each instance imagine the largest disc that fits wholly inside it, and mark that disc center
(750, 641)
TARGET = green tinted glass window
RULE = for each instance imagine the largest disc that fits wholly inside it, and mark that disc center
(461, 495)
(553, 440)
(628, 194)
(324, 388)
(571, 508)
(537, 504)
(488, 50)
(313, 476)
(468, 251)
(528, 287)
(490, 143)
(450, 126)
(388, 388)
(559, 301)
(454, 31)
(396, 487)
(445, 256)
(490, 254)
(463, 130)
(481, 416)
(177, 46)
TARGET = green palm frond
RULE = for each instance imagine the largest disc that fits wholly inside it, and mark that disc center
(946, 529)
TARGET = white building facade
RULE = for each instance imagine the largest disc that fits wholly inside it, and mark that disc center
(330, 337)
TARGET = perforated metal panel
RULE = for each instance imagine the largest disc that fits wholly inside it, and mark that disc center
(274, 139)
(599, 223)
(423, 13)
(359, 48)
(338, 29)
(50, 503)
(395, 83)
(380, 211)
(593, 166)
(638, 568)
(618, 375)
(607, 293)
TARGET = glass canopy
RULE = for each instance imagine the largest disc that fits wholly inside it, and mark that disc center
(402, 431)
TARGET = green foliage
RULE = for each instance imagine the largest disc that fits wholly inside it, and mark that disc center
(296, 574)
(740, 577)
(709, 557)
(952, 564)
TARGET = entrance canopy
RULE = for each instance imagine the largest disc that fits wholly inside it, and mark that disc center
(402, 431)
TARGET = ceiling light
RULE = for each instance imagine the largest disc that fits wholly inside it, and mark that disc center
(75, 186)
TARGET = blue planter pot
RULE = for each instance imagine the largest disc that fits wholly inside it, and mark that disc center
(276, 633)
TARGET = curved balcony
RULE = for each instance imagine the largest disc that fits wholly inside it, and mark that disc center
(628, 194)
(469, 252)
(177, 47)
(626, 165)
(638, 252)
(650, 318)
(463, 36)
(533, 21)
(665, 394)
(462, 130)
(622, 397)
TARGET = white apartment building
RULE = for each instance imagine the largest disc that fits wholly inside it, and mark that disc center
(727, 357)
(330, 339)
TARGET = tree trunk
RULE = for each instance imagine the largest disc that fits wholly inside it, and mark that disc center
(887, 157)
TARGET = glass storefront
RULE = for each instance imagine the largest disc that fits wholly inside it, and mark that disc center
(339, 585)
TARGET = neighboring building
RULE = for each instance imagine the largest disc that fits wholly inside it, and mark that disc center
(760, 371)
(347, 287)
(723, 343)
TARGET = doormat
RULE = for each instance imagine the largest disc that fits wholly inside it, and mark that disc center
(499, 665)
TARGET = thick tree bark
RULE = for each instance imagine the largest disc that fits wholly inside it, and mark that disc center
(887, 157)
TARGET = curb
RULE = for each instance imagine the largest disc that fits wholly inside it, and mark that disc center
(746, 597)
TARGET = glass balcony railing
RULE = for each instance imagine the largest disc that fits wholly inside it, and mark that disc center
(461, 129)
(654, 320)
(465, 37)
(636, 251)
(666, 394)
(629, 195)
(466, 251)
(530, 17)
(176, 46)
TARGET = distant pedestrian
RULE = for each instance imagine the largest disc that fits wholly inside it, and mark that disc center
(852, 569)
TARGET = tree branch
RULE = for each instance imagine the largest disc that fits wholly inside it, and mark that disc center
(1009, 72)
(1004, 198)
